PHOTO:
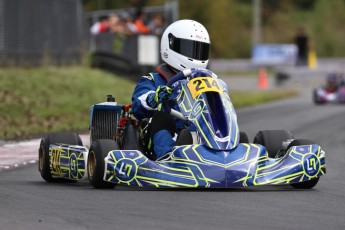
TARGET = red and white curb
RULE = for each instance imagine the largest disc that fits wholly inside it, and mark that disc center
(17, 154)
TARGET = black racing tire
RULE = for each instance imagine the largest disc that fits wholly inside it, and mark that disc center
(272, 140)
(96, 165)
(69, 138)
(131, 139)
(316, 98)
(244, 137)
(310, 183)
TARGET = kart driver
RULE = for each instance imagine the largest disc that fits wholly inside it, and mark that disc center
(332, 83)
(185, 44)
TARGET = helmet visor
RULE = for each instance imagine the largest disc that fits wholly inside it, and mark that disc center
(189, 48)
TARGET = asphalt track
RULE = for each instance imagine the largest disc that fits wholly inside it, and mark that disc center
(27, 202)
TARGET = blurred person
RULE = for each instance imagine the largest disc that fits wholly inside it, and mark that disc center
(139, 22)
(302, 42)
(185, 44)
(114, 23)
(333, 81)
(127, 25)
(157, 24)
(102, 25)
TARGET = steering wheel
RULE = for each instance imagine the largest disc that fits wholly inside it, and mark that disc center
(179, 76)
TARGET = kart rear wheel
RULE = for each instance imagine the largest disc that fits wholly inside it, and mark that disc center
(244, 137)
(131, 139)
(96, 165)
(43, 151)
(272, 140)
(310, 183)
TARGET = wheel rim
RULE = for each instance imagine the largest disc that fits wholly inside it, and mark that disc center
(41, 158)
(91, 163)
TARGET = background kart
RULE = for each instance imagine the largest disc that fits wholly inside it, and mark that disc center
(321, 96)
(216, 155)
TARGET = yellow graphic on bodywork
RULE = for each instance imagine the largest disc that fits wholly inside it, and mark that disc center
(200, 85)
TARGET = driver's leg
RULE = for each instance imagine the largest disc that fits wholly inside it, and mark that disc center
(163, 129)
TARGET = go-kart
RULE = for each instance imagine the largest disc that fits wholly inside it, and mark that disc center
(215, 155)
(332, 92)
(322, 96)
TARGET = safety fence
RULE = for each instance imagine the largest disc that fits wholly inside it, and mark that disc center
(129, 53)
(35, 32)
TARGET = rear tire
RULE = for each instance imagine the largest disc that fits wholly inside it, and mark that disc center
(96, 165)
(131, 139)
(272, 140)
(244, 137)
(43, 151)
(310, 183)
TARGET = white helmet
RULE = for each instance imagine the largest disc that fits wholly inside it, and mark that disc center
(185, 44)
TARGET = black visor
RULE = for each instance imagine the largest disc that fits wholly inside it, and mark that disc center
(189, 48)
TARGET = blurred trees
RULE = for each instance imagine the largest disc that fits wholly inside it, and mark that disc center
(229, 22)
(90, 5)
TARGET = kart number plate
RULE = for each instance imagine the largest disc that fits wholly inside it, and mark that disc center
(200, 85)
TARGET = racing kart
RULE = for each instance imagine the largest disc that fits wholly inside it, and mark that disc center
(322, 96)
(215, 155)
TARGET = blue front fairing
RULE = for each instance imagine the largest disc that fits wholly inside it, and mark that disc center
(200, 166)
(212, 113)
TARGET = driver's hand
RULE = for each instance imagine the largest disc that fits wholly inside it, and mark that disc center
(160, 96)
(164, 107)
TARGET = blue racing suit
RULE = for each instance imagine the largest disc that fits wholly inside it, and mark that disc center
(162, 141)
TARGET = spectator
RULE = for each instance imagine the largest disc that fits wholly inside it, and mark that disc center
(139, 22)
(157, 24)
(302, 42)
(128, 27)
(101, 26)
(114, 23)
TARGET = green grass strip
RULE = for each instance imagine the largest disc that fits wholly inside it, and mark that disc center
(40, 100)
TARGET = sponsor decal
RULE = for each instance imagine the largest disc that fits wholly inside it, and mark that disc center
(197, 109)
(126, 170)
(311, 165)
(55, 154)
(148, 78)
(198, 36)
(73, 165)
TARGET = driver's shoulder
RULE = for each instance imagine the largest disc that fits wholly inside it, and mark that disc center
(155, 77)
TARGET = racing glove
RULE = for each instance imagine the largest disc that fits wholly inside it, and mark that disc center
(160, 96)
(164, 107)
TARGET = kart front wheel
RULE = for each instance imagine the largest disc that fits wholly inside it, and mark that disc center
(272, 140)
(96, 165)
(69, 138)
(310, 183)
(316, 98)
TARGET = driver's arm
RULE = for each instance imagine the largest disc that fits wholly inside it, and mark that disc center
(145, 86)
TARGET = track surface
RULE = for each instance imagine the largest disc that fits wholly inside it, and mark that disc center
(27, 202)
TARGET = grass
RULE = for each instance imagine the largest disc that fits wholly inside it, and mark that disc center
(243, 98)
(40, 100)
(245, 73)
